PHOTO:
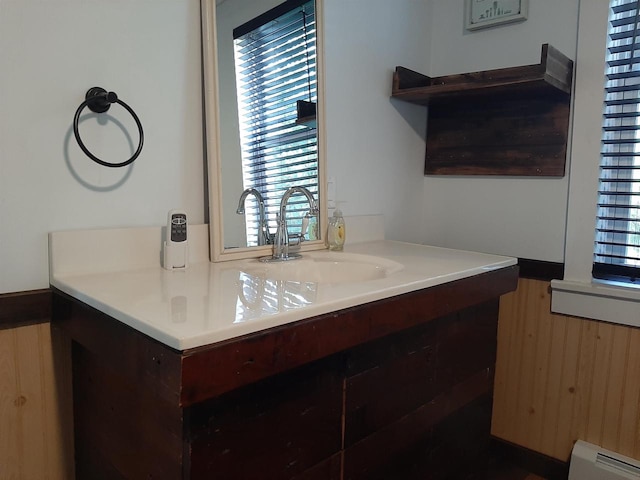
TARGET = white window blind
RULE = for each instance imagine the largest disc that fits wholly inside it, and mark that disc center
(617, 242)
(275, 56)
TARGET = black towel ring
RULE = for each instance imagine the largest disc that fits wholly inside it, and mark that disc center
(99, 101)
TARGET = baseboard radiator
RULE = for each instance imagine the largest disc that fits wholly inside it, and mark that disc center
(590, 462)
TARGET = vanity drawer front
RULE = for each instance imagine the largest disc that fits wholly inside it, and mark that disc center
(402, 390)
(388, 379)
(392, 377)
(286, 425)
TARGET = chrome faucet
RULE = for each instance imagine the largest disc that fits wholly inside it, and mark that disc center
(282, 239)
(264, 237)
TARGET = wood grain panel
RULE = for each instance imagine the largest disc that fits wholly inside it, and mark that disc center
(281, 428)
(420, 363)
(35, 414)
(141, 433)
(628, 443)
(525, 134)
(157, 367)
(614, 393)
(368, 456)
(550, 401)
(566, 395)
(25, 308)
(28, 402)
(11, 433)
(559, 378)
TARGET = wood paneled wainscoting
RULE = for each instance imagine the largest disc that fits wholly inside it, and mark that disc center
(36, 433)
(560, 378)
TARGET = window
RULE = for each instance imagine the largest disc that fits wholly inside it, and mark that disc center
(275, 56)
(617, 243)
(578, 294)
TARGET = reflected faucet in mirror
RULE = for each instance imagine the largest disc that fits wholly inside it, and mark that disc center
(282, 240)
(264, 236)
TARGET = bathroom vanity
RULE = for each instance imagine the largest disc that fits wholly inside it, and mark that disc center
(239, 371)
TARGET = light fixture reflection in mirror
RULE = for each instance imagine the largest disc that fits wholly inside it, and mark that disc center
(256, 142)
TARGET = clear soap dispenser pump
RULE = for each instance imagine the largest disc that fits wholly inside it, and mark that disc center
(336, 231)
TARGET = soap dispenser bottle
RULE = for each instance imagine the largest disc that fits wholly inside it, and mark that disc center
(336, 232)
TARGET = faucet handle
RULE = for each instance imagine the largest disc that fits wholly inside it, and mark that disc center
(281, 239)
(305, 223)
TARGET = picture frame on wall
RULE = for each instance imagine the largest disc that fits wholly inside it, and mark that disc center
(490, 13)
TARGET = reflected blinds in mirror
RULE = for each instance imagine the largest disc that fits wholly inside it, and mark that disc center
(617, 243)
(275, 56)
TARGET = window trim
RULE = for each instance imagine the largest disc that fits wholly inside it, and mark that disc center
(578, 294)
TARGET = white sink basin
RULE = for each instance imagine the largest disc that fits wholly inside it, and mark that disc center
(325, 267)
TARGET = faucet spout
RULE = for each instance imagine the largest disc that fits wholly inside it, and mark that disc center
(313, 206)
(264, 237)
(281, 241)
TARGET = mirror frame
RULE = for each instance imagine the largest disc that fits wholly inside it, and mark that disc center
(212, 133)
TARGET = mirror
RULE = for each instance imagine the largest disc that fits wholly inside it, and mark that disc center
(245, 147)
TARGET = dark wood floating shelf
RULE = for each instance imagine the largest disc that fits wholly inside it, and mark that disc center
(508, 121)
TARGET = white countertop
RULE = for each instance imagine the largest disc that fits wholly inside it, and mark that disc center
(211, 302)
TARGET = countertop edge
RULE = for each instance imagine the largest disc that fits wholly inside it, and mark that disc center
(72, 286)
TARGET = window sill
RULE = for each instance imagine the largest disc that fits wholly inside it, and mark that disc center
(606, 301)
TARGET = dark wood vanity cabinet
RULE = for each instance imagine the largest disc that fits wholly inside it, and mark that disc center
(391, 389)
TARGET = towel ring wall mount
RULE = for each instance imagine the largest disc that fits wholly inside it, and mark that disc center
(98, 100)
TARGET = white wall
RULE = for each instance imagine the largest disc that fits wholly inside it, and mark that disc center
(523, 217)
(147, 51)
(376, 145)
